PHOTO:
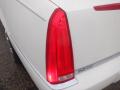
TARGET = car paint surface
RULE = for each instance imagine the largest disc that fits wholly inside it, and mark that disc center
(95, 36)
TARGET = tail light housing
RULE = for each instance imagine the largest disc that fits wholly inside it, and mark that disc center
(59, 53)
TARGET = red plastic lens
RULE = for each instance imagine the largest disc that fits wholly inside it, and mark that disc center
(59, 54)
(113, 6)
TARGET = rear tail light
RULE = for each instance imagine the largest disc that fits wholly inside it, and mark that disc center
(59, 54)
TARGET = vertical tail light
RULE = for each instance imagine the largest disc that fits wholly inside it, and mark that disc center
(59, 54)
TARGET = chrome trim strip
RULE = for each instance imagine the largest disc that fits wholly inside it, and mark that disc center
(80, 70)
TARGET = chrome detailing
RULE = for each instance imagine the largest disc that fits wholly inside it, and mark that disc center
(80, 70)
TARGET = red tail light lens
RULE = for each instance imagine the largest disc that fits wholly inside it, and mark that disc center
(59, 54)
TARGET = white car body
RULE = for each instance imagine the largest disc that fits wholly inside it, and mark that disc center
(95, 38)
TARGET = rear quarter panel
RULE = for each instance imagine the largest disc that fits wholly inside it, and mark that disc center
(27, 22)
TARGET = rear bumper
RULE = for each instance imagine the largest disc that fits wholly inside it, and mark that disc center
(98, 77)
(93, 79)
